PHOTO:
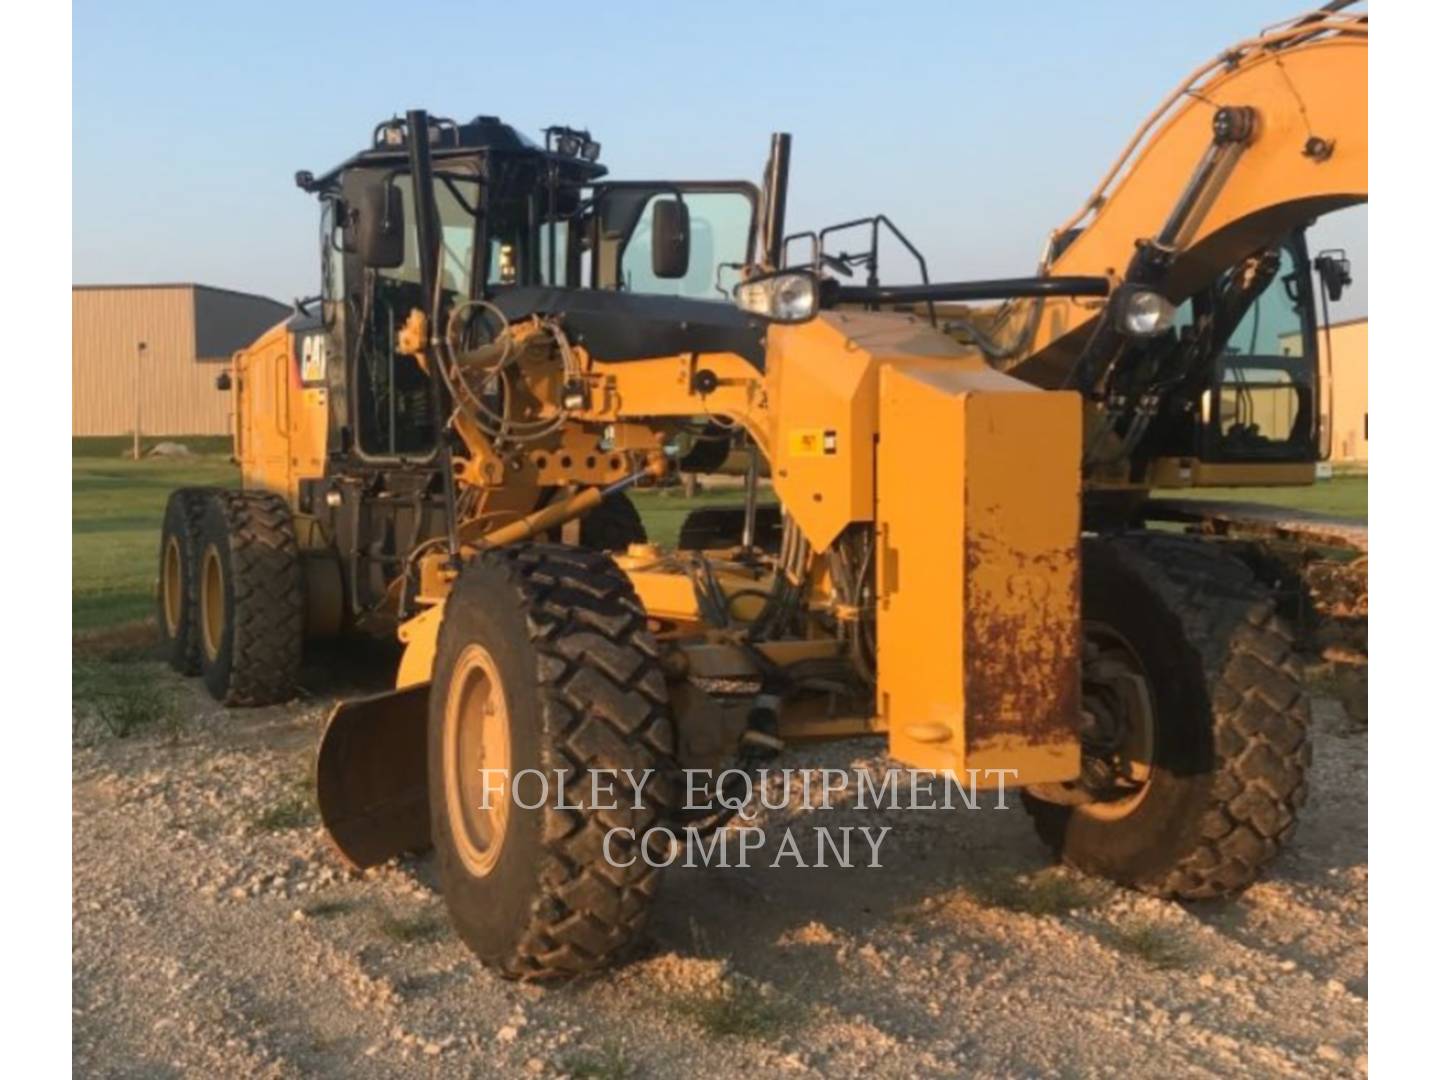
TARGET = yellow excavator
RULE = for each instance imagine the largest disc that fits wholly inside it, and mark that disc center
(508, 341)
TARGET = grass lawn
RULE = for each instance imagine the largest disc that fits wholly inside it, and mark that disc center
(663, 511)
(119, 446)
(1342, 496)
(115, 526)
(118, 505)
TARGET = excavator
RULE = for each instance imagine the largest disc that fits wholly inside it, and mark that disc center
(508, 343)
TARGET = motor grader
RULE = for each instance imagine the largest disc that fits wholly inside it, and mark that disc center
(508, 341)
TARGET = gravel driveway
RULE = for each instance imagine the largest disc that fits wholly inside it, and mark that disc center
(215, 935)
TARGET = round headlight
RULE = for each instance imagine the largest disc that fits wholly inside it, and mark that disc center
(1144, 313)
(788, 297)
(794, 297)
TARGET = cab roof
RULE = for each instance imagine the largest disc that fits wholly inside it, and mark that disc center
(449, 141)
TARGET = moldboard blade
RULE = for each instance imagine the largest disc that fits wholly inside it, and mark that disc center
(371, 776)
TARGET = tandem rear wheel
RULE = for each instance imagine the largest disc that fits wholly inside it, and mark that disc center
(248, 598)
(179, 567)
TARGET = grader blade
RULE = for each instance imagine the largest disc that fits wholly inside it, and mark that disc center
(371, 776)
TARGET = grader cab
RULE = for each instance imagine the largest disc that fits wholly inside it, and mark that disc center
(509, 343)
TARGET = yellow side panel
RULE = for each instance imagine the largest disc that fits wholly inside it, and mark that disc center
(823, 391)
(978, 508)
(280, 421)
(822, 381)
(262, 412)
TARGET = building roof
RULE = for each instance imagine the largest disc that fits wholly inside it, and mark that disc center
(1349, 322)
(176, 285)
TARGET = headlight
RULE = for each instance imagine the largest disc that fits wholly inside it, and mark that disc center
(789, 296)
(1144, 313)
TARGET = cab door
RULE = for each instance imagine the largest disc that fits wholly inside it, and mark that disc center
(1264, 399)
(262, 408)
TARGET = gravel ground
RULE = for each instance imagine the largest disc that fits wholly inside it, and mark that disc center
(215, 935)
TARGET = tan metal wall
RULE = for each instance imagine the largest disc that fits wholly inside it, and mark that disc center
(1347, 393)
(177, 388)
(1350, 372)
(178, 396)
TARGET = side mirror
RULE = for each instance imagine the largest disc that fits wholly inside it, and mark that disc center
(377, 226)
(670, 239)
(1334, 269)
(222, 381)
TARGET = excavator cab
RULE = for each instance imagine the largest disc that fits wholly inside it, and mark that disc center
(1253, 334)
(1264, 397)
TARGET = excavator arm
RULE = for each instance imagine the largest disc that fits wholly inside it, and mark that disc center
(1249, 147)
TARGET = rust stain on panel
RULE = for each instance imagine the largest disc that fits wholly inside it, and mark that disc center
(1022, 642)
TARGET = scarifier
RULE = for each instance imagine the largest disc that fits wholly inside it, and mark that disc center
(440, 447)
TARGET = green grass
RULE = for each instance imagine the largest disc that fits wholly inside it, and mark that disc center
(1342, 496)
(328, 909)
(291, 812)
(119, 446)
(122, 696)
(737, 1006)
(608, 1063)
(664, 510)
(115, 526)
(1162, 947)
(118, 506)
(411, 929)
(1053, 892)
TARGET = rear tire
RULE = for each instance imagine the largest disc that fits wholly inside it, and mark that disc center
(544, 663)
(250, 599)
(1230, 733)
(179, 560)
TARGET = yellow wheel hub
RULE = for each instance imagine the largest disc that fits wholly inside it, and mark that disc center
(172, 587)
(477, 738)
(212, 602)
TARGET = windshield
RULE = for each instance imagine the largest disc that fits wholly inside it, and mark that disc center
(721, 227)
(1262, 400)
(456, 197)
(393, 408)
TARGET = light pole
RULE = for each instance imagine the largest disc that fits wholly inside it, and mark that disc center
(139, 368)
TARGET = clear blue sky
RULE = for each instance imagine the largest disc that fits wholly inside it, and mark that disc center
(977, 127)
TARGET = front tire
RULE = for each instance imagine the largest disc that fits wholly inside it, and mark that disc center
(1229, 744)
(250, 599)
(544, 663)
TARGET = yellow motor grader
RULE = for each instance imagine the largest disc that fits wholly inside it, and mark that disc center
(508, 341)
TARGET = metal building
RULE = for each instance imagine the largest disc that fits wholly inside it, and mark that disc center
(1349, 371)
(189, 332)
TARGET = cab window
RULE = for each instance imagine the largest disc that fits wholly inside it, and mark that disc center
(720, 232)
(1264, 395)
(393, 408)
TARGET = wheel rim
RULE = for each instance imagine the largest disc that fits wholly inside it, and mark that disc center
(172, 586)
(477, 737)
(212, 602)
(1118, 739)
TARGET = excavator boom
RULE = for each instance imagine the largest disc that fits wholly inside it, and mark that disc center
(1253, 144)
